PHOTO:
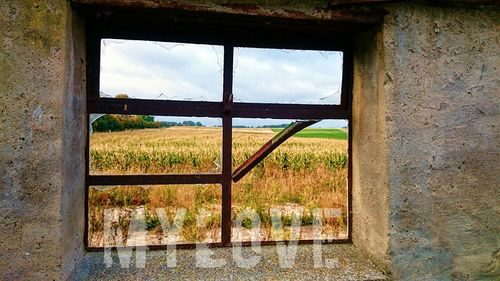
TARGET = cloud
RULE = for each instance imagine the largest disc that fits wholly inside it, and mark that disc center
(144, 69)
(287, 76)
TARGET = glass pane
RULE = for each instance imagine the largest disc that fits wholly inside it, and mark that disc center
(160, 70)
(125, 144)
(154, 215)
(305, 178)
(287, 76)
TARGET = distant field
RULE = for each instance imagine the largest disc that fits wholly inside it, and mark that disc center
(304, 173)
(338, 134)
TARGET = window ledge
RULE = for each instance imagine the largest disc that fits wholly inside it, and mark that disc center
(348, 264)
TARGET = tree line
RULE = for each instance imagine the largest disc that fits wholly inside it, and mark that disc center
(114, 123)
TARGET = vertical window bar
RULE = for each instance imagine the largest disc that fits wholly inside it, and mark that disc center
(347, 73)
(227, 145)
(93, 38)
(92, 62)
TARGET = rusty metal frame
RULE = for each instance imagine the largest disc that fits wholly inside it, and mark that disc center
(98, 28)
(154, 179)
(267, 148)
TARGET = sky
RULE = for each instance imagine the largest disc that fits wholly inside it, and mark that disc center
(178, 71)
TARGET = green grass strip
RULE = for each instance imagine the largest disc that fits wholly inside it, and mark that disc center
(319, 133)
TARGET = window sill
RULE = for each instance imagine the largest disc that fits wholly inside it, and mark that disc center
(348, 264)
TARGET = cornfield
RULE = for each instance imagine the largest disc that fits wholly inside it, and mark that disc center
(303, 173)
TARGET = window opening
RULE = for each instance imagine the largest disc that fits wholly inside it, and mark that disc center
(157, 193)
(299, 189)
(171, 70)
(287, 76)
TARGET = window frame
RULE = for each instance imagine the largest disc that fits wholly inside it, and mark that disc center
(219, 31)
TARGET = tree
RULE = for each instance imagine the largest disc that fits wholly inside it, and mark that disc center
(113, 122)
(107, 123)
(147, 118)
(121, 96)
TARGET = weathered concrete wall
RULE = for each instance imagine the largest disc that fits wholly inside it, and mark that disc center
(441, 90)
(74, 133)
(39, 226)
(310, 9)
(370, 204)
(425, 143)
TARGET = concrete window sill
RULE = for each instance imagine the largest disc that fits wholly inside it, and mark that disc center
(346, 263)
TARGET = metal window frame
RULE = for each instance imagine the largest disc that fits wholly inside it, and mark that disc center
(100, 27)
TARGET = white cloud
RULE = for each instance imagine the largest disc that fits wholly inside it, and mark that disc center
(147, 69)
(144, 69)
(279, 76)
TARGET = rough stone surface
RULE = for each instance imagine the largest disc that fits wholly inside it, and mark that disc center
(311, 9)
(73, 149)
(426, 98)
(370, 194)
(347, 263)
(38, 150)
(442, 92)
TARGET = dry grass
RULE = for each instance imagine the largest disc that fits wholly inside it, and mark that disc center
(305, 172)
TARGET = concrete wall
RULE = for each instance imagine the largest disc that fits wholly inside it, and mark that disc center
(425, 139)
(370, 193)
(426, 98)
(74, 140)
(41, 103)
(442, 98)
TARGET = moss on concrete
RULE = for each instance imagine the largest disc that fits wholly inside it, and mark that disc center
(41, 22)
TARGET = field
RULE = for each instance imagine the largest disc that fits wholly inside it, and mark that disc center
(340, 134)
(306, 172)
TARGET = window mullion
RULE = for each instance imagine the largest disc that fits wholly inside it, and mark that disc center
(227, 144)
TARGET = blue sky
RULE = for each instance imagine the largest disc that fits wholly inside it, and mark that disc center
(177, 71)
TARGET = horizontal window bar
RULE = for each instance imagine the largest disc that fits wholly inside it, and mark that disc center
(156, 107)
(215, 109)
(154, 179)
(288, 111)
